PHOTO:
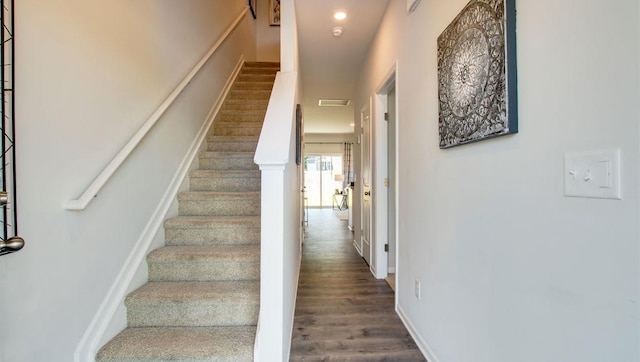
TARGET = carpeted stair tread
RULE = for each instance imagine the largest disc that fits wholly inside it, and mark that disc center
(213, 303)
(240, 117)
(237, 131)
(184, 344)
(213, 195)
(228, 180)
(213, 160)
(232, 146)
(204, 222)
(246, 123)
(252, 85)
(213, 138)
(250, 94)
(204, 263)
(262, 65)
(241, 105)
(244, 291)
(263, 70)
(194, 203)
(225, 174)
(202, 253)
(210, 154)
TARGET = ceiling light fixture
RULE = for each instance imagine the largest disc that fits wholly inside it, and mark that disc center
(340, 15)
(337, 31)
(333, 102)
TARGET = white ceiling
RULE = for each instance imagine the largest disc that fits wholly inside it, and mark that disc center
(330, 66)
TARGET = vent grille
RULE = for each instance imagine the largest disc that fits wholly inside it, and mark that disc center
(333, 102)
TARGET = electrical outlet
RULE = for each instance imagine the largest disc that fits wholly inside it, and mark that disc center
(417, 288)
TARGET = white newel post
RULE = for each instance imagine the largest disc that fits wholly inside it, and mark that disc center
(280, 222)
(270, 337)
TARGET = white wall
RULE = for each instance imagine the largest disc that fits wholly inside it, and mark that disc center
(511, 270)
(267, 36)
(88, 76)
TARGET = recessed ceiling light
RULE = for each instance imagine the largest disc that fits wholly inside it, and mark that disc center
(337, 31)
(340, 15)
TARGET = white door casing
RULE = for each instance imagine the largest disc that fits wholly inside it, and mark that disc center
(365, 144)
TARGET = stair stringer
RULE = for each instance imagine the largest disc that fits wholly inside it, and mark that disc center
(110, 317)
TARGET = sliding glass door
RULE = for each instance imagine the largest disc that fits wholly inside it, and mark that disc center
(320, 179)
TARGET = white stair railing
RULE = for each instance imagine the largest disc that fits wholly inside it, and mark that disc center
(92, 190)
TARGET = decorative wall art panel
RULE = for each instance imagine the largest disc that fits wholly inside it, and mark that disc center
(477, 74)
(253, 6)
(274, 12)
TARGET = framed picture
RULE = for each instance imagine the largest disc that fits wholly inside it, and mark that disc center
(253, 6)
(477, 83)
(412, 5)
(298, 134)
(274, 12)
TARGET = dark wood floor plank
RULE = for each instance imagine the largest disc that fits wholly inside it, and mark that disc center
(342, 312)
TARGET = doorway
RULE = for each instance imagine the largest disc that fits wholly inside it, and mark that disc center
(384, 178)
(323, 179)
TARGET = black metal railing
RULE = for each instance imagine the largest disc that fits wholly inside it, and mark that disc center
(9, 240)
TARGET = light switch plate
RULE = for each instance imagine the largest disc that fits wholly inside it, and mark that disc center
(593, 174)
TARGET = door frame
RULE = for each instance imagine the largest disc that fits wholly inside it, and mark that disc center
(359, 241)
(380, 205)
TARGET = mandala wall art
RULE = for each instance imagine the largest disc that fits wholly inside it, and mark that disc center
(477, 74)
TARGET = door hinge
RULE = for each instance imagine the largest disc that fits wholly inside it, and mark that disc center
(386, 248)
(386, 116)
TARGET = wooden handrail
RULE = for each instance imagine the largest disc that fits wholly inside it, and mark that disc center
(92, 190)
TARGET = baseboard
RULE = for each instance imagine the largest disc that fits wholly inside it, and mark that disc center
(90, 342)
(417, 337)
(391, 270)
(293, 312)
(357, 247)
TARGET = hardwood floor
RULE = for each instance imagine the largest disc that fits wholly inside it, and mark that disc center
(342, 312)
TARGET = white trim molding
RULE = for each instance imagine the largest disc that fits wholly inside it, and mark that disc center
(417, 337)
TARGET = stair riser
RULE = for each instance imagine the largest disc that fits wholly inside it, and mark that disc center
(274, 65)
(212, 236)
(206, 270)
(245, 124)
(225, 184)
(253, 86)
(241, 117)
(250, 207)
(249, 95)
(223, 163)
(265, 71)
(193, 313)
(232, 146)
(236, 131)
(230, 105)
(257, 77)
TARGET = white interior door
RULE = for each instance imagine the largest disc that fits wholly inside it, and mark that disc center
(366, 184)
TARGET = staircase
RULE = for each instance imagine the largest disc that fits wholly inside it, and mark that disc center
(202, 299)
